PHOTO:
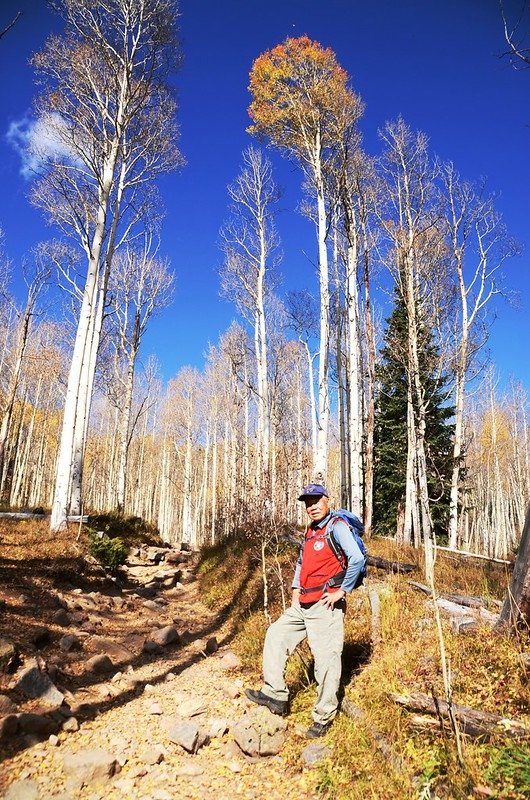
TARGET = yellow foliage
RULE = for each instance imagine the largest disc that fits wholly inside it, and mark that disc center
(300, 97)
(495, 431)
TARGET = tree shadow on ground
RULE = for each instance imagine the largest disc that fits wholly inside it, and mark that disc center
(93, 708)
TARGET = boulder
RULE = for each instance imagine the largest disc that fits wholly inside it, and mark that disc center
(8, 726)
(260, 733)
(37, 684)
(37, 724)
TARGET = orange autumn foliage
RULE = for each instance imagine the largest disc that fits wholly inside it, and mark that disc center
(301, 98)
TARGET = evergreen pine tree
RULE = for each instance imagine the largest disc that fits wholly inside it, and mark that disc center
(390, 444)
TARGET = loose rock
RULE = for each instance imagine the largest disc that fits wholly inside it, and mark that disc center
(153, 755)
(8, 656)
(70, 725)
(191, 770)
(187, 735)
(62, 618)
(314, 753)
(90, 766)
(165, 636)
(37, 724)
(8, 726)
(23, 790)
(70, 642)
(41, 638)
(99, 664)
(35, 683)
(230, 660)
(191, 708)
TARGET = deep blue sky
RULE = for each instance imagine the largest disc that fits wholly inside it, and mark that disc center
(436, 63)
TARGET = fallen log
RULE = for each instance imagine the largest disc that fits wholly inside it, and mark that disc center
(460, 599)
(471, 722)
(32, 515)
(466, 554)
(390, 566)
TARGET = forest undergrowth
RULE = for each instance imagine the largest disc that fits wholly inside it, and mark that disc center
(387, 752)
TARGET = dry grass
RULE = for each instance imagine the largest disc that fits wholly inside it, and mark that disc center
(487, 674)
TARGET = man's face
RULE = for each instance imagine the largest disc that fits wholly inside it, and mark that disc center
(317, 507)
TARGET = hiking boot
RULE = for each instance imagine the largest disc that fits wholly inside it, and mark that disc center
(317, 729)
(276, 706)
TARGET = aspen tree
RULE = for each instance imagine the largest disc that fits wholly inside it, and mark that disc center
(409, 177)
(344, 182)
(299, 91)
(478, 246)
(249, 242)
(106, 104)
(140, 285)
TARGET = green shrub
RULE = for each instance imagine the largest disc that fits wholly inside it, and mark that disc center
(509, 771)
(109, 552)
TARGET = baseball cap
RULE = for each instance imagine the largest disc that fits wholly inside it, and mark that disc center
(314, 490)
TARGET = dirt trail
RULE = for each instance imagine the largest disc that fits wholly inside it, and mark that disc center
(130, 716)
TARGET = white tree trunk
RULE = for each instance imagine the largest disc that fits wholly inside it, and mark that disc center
(76, 400)
(320, 458)
(355, 422)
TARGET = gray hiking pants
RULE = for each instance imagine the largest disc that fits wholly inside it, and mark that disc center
(324, 628)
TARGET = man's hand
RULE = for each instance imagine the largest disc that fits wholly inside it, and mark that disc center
(329, 599)
(295, 599)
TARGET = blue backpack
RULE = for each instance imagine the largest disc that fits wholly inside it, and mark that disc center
(356, 528)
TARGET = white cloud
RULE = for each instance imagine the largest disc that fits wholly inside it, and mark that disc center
(38, 142)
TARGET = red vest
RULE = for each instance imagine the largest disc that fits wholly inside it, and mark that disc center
(319, 564)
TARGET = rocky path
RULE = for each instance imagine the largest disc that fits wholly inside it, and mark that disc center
(159, 725)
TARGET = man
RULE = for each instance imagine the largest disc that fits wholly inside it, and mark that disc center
(319, 586)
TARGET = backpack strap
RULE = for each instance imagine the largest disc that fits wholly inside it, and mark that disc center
(337, 550)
